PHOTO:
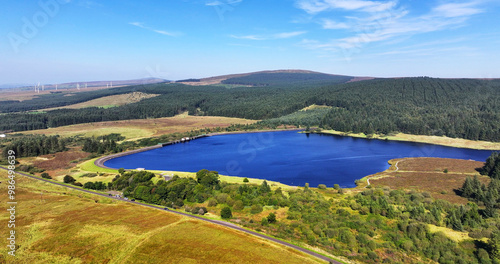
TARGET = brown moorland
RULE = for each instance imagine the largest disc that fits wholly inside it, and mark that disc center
(428, 175)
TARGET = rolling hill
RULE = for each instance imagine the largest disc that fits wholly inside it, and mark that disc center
(462, 108)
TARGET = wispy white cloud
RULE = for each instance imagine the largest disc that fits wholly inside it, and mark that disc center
(316, 6)
(162, 32)
(330, 24)
(283, 35)
(226, 2)
(383, 21)
(249, 37)
(457, 9)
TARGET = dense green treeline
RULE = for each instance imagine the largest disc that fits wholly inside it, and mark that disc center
(492, 166)
(312, 117)
(103, 144)
(487, 196)
(463, 108)
(456, 108)
(31, 146)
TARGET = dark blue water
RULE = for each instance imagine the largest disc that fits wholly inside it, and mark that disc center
(288, 157)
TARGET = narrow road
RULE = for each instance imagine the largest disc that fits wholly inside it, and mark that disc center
(217, 222)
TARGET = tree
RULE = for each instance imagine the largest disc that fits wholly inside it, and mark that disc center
(226, 213)
(264, 187)
(208, 178)
(271, 218)
(467, 190)
(245, 180)
(46, 176)
(494, 244)
(69, 179)
(89, 185)
(121, 170)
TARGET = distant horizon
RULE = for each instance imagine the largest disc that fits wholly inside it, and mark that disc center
(24, 85)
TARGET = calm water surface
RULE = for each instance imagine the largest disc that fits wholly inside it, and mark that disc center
(288, 157)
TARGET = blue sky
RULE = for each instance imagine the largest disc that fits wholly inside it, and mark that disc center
(54, 41)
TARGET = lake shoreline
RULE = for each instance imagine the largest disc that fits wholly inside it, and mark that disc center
(434, 140)
(100, 161)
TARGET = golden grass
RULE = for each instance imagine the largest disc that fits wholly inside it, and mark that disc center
(315, 106)
(456, 236)
(443, 141)
(67, 226)
(94, 130)
(141, 128)
(108, 101)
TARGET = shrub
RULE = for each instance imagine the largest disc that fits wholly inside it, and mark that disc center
(226, 213)
(336, 186)
(89, 175)
(69, 179)
(212, 202)
(245, 180)
(238, 205)
(321, 186)
(199, 210)
(222, 198)
(264, 221)
(29, 169)
(256, 208)
(271, 218)
(46, 176)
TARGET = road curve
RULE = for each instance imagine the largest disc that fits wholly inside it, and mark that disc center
(222, 223)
